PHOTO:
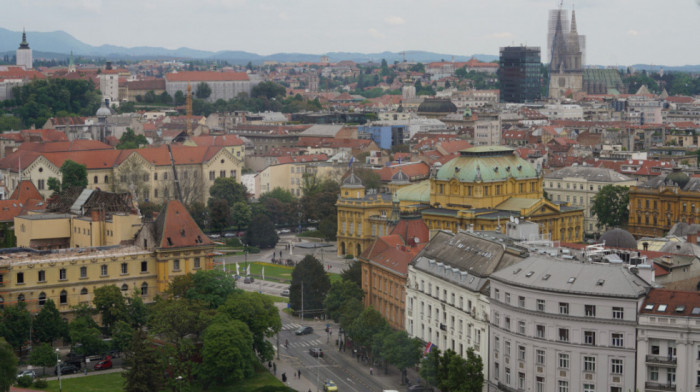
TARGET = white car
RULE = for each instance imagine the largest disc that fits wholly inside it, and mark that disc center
(23, 373)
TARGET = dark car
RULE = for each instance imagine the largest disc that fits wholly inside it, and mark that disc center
(67, 368)
(304, 330)
(248, 279)
(316, 352)
(104, 364)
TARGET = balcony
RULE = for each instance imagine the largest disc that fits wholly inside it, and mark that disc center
(655, 386)
(661, 360)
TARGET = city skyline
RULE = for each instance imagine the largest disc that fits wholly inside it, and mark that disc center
(620, 32)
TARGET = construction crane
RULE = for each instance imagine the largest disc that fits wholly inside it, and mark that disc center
(188, 109)
(178, 192)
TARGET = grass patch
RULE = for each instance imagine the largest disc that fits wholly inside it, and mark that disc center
(334, 277)
(261, 378)
(273, 272)
(108, 382)
(311, 234)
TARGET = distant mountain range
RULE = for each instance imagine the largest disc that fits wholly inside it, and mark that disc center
(59, 44)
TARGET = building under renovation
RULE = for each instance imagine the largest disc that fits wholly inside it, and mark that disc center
(566, 55)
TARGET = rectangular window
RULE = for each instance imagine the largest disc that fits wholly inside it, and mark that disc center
(197, 263)
(497, 294)
(165, 176)
(62, 274)
(42, 276)
(103, 270)
(617, 340)
(618, 313)
(589, 338)
(20, 277)
(563, 308)
(176, 265)
(222, 173)
(521, 353)
(671, 376)
(539, 384)
(155, 176)
(563, 335)
(497, 319)
(540, 356)
(507, 298)
(540, 305)
(521, 301)
(125, 268)
(144, 266)
(590, 310)
(653, 374)
(563, 361)
(521, 327)
(616, 366)
(507, 348)
(563, 386)
(507, 376)
(521, 380)
(588, 388)
(495, 370)
(540, 331)
(212, 175)
(507, 326)
(589, 364)
(83, 272)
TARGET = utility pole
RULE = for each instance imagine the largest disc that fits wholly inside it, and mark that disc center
(302, 301)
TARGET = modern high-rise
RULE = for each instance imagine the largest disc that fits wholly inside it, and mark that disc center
(519, 72)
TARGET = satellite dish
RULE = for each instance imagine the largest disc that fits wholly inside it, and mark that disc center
(416, 240)
(511, 219)
(517, 221)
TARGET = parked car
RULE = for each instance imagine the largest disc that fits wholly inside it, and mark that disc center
(67, 368)
(27, 372)
(104, 364)
(329, 386)
(248, 279)
(285, 293)
(230, 235)
(304, 330)
(419, 388)
(316, 352)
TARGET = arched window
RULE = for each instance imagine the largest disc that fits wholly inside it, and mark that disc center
(106, 179)
(20, 298)
(63, 298)
(42, 298)
(83, 291)
(125, 287)
(144, 289)
(94, 180)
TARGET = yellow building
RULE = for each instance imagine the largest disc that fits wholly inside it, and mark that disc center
(661, 202)
(292, 173)
(476, 190)
(172, 245)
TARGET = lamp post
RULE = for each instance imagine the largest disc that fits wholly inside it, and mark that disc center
(58, 366)
(179, 383)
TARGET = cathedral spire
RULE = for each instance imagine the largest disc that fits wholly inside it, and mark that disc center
(24, 44)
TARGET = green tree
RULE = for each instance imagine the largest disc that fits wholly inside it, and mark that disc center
(198, 211)
(54, 184)
(131, 140)
(8, 366)
(111, 305)
(203, 90)
(73, 174)
(38, 100)
(144, 370)
(149, 97)
(311, 273)
(48, 324)
(353, 273)
(122, 333)
(261, 316)
(418, 67)
(350, 311)
(429, 367)
(240, 214)
(402, 351)
(261, 232)
(138, 312)
(366, 326)
(15, 325)
(176, 318)
(211, 288)
(227, 355)
(85, 336)
(280, 206)
(268, 90)
(42, 355)
(9, 122)
(228, 189)
(220, 214)
(611, 206)
(328, 227)
(473, 372)
(340, 292)
(180, 98)
(165, 98)
(370, 178)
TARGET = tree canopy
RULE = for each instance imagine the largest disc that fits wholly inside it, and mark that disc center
(611, 206)
(268, 90)
(316, 283)
(341, 291)
(111, 305)
(73, 175)
(227, 188)
(131, 140)
(203, 90)
(227, 354)
(8, 366)
(259, 314)
(261, 232)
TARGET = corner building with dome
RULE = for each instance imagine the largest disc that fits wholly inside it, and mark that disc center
(479, 190)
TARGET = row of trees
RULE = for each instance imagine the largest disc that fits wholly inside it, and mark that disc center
(370, 333)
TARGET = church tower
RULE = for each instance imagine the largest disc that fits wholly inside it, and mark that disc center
(566, 60)
(24, 53)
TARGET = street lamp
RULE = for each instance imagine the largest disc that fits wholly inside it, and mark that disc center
(179, 383)
(58, 366)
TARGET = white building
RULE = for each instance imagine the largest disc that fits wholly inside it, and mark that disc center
(562, 112)
(487, 129)
(224, 85)
(446, 295)
(564, 326)
(24, 54)
(668, 342)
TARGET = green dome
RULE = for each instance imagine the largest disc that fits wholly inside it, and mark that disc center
(678, 177)
(487, 163)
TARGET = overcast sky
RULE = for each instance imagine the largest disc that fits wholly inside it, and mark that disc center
(618, 32)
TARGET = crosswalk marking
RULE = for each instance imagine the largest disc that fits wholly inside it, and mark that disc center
(290, 327)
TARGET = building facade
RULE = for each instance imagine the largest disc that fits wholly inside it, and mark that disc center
(23, 55)
(567, 49)
(224, 85)
(578, 186)
(559, 325)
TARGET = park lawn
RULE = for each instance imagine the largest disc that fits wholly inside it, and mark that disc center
(261, 378)
(107, 382)
(273, 272)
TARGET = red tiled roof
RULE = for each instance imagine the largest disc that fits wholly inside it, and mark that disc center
(679, 99)
(177, 228)
(25, 191)
(412, 170)
(389, 252)
(24, 198)
(62, 121)
(453, 146)
(75, 145)
(206, 76)
(21, 73)
(413, 231)
(678, 303)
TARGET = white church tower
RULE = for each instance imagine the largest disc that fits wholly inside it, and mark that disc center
(24, 53)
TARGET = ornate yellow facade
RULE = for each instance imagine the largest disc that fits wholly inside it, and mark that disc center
(481, 189)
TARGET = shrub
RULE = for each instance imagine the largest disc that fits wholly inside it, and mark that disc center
(41, 383)
(25, 381)
(253, 249)
(233, 242)
(349, 257)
